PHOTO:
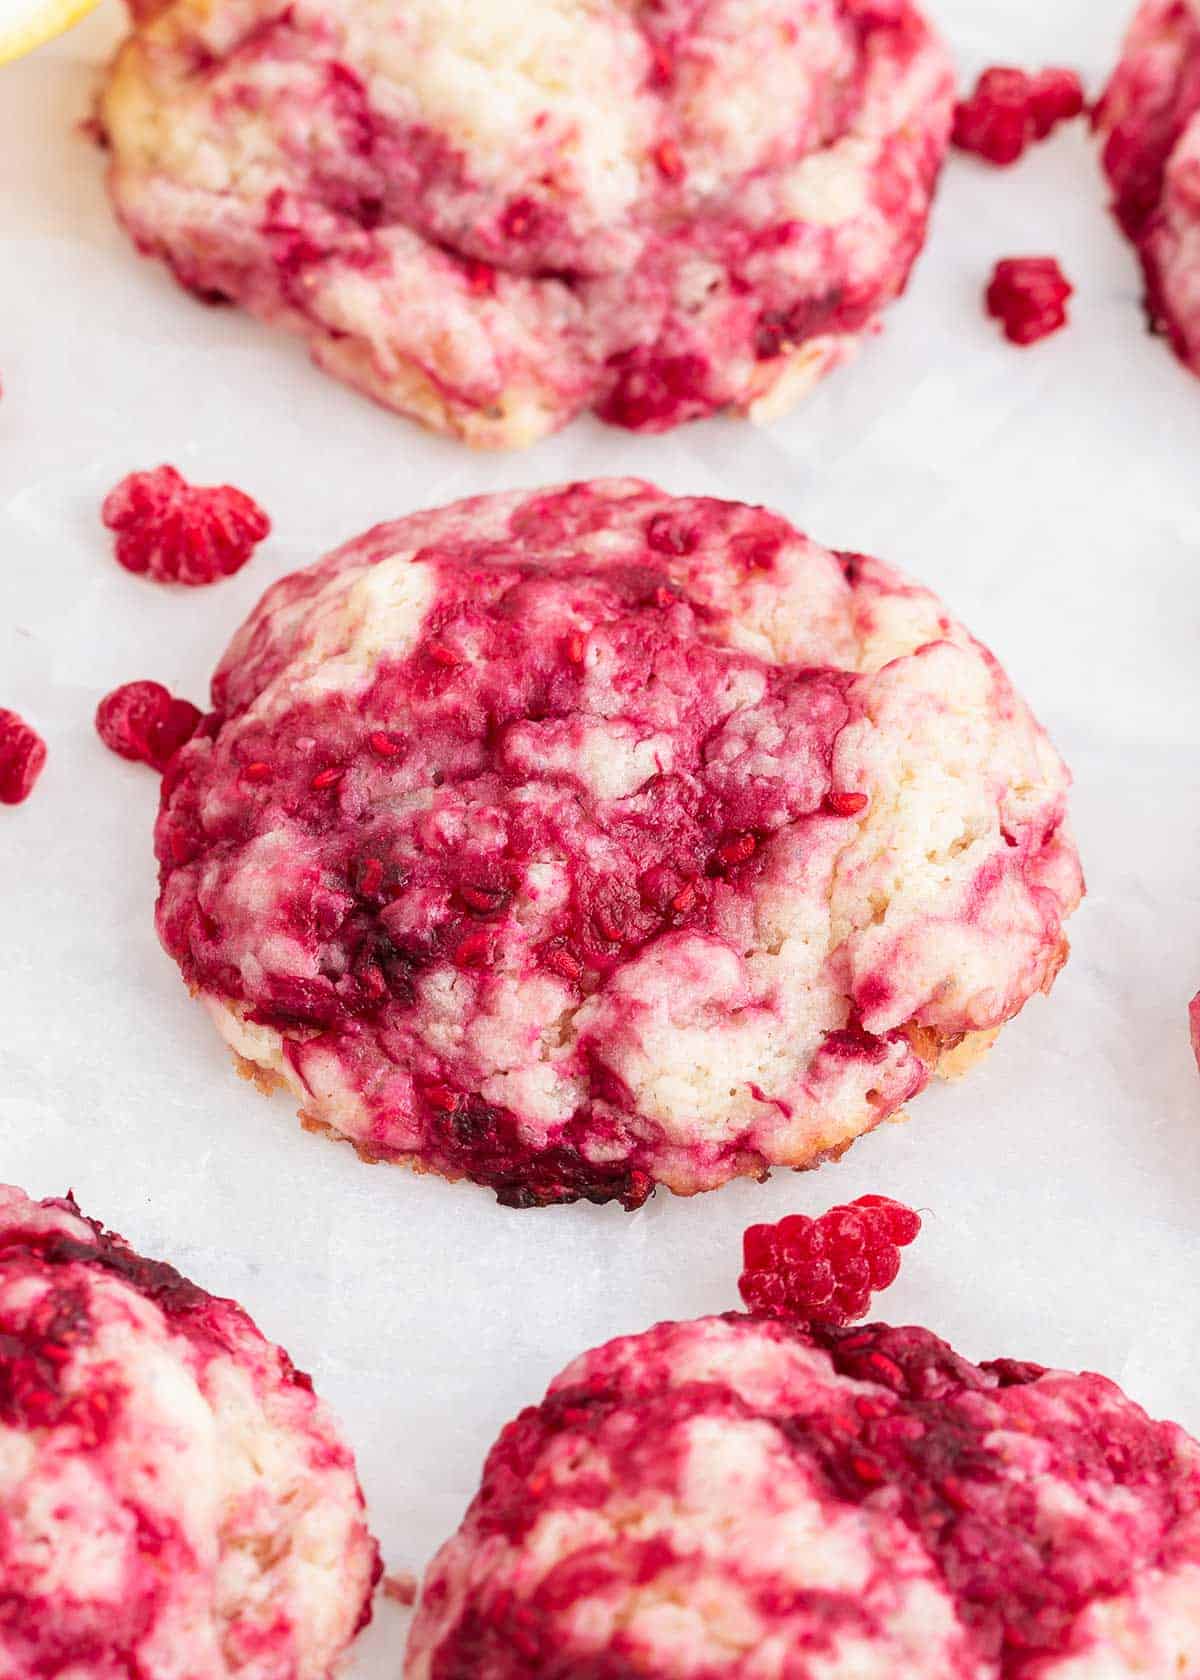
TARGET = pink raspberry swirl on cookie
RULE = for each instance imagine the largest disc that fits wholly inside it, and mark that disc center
(762, 1499)
(584, 840)
(1149, 120)
(492, 217)
(176, 1502)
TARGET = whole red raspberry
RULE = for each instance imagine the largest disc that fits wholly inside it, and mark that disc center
(826, 1269)
(176, 532)
(22, 756)
(1009, 109)
(1029, 296)
(144, 722)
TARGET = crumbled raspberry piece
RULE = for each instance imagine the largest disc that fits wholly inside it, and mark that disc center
(651, 392)
(518, 219)
(176, 532)
(441, 654)
(662, 66)
(144, 722)
(668, 536)
(826, 1269)
(564, 962)
(481, 277)
(669, 160)
(847, 804)
(995, 121)
(475, 951)
(684, 899)
(485, 901)
(1055, 96)
(370, 877)
(1010, 109)
(1029, 296)
(737, 849)
(22, 756)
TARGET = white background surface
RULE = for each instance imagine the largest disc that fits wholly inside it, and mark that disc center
(1051, 495)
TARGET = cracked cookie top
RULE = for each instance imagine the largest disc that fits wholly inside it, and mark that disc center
(1149, 119)
(492, 218)
(589, 839)
(751, 1498)
(175, 1499)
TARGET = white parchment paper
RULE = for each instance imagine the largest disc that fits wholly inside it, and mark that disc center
(1052, 496)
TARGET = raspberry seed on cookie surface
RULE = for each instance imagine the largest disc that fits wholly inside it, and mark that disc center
(1148, 121)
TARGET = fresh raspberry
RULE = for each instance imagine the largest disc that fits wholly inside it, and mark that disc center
(22, 755)
(826, 1269)
(144, 722)
(176, 532)
(1029, 296)
(1010, 109)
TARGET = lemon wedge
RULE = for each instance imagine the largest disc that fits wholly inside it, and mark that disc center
(25, 24)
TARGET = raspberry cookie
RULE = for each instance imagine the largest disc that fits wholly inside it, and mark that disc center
(584, 840)
(176, 1501)
(763, 1497)
(493, 217)
(1150, 122)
